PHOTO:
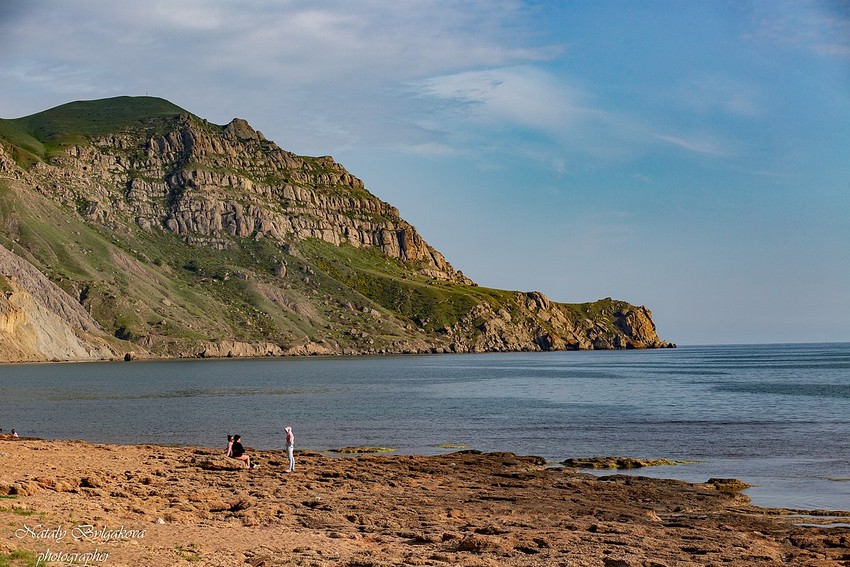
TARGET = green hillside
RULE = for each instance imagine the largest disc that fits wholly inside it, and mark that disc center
(69, 124)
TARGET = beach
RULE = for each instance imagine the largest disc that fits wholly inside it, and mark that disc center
(72, 502)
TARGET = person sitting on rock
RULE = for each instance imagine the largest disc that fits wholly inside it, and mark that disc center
(229, 450)
(237, 451)
(14, 433)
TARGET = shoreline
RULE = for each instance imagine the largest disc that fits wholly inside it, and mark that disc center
(148, 357)
(137, 356)
(192, 506)
(759, 490)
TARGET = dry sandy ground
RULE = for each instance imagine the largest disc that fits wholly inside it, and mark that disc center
(149, 505)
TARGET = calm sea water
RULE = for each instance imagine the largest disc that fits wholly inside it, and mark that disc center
(777, 416)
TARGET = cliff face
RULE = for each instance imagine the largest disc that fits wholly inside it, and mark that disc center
(210, 183)
(164, 235)
(39, 321)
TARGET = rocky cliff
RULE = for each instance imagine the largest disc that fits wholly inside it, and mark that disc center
(529, 321)
(39, 321)
(165, 235)
(190, 178)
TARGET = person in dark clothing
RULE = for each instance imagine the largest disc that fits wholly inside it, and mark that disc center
(237, 451)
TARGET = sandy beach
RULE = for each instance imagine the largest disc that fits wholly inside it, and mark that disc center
(71, 502)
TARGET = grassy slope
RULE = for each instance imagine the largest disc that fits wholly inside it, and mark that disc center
(430, 305)
(70, 123)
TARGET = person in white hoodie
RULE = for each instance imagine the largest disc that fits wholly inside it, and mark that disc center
(290, 449)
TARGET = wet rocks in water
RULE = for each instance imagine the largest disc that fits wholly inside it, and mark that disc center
(359, 450)
(616, 463)
(728, 484)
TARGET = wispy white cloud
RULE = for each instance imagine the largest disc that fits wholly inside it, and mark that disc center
(832, 49)
(718, 93)
(185, 15)
(569, 127)
(336, 40)
(527, 111)
(821, 27)
(321, 70)
(430, 77)
(430, 149)
(700, 144)
(50, 75)
(524, 96)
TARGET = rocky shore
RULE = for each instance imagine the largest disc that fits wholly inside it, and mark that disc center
(71, 502)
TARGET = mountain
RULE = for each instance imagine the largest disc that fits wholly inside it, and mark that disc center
(131, 227)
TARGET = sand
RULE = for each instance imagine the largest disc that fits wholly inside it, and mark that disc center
(148, 505)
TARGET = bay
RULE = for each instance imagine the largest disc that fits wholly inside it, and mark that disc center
(775, 416)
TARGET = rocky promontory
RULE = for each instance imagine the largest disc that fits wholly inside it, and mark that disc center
(175, 237)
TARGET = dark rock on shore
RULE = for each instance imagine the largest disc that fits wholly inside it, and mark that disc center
(616, 463)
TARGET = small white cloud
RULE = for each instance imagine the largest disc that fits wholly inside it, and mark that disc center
(643, 178)
(559, 164)
(428, 149)
(525, 96)
(832, 49)
(185, 15)
(702, 145)
(321, 126)
(527, 112)
(718, 93)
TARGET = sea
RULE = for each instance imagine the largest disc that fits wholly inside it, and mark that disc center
(775, 416)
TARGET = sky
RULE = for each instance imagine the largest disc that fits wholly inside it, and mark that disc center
(689, 156)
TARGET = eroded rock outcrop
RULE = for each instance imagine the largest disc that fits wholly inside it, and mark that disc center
(201, 180)
(532, 322)
(39, 321)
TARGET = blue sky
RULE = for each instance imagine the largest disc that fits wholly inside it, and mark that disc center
(693, 157)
